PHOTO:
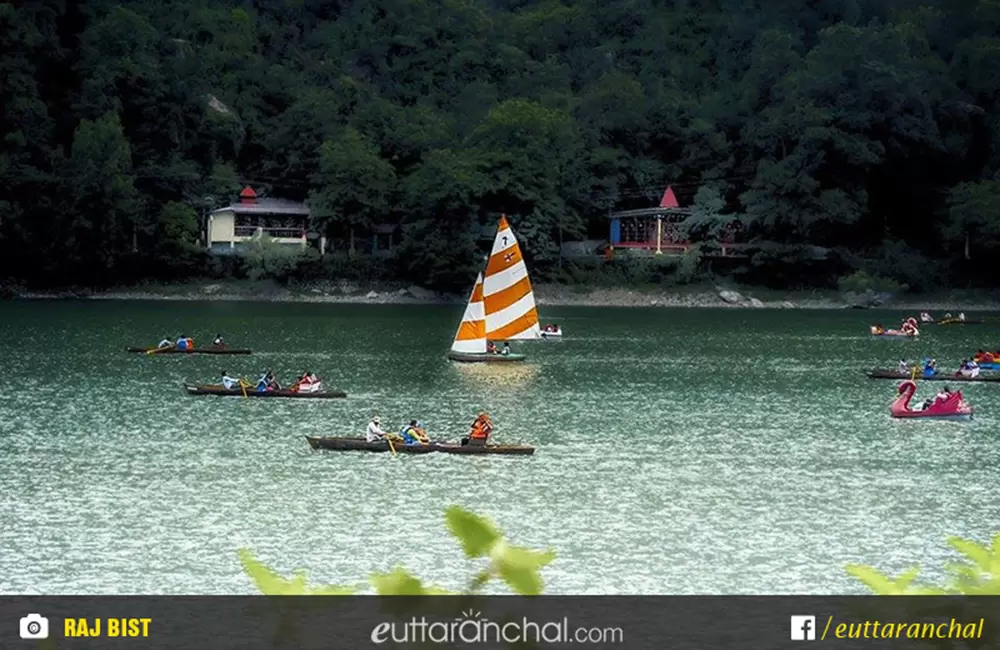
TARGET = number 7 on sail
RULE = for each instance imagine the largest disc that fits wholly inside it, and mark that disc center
(501, 306)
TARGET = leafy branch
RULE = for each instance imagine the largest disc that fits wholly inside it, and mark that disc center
(518, 567)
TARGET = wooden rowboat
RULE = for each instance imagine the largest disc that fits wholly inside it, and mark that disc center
(159, 351)
(473, 450)
(360, 444)
(216, 389)
(941, 376)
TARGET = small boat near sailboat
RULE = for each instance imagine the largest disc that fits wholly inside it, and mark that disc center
(501, 306)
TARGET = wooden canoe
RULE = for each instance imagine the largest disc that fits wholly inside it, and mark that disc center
(485, 358)
(159, 351)
(941, 376)
(360, 444)
(473, 450)
(216, 389)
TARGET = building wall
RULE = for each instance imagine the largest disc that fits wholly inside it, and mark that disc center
(223, 227)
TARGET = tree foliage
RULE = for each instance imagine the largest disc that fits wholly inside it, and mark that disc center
(871, 128)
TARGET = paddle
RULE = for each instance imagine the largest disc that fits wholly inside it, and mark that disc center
(155, 350)
(243, 387)
(391, 447)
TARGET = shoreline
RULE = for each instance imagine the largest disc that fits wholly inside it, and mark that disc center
(344, 292)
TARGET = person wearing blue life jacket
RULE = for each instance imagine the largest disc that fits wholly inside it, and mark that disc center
(413, 434)
(930, 367)
(267, 382)
(184, 343)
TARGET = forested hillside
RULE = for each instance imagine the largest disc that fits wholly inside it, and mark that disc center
(870, 129)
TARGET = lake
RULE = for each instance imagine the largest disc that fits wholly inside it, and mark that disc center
(680, 451)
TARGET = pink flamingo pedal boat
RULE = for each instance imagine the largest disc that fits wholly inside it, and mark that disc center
(952, 407)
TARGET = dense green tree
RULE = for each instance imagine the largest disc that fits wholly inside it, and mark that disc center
(356, 185)
(865, 128)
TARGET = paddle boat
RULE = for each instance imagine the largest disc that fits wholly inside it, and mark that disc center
(549, 331)
(987, 360)
(949, 407)
(907, 330)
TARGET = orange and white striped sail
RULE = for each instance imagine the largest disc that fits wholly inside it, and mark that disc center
(507, 296)
(471, 335)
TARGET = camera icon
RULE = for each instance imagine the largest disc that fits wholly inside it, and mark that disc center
(34, 626)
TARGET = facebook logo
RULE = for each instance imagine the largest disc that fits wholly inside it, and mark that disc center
(803, 628)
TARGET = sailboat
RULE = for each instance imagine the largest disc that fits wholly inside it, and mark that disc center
(501, 306)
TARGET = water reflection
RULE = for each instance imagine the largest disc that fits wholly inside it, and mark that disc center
(499, 375)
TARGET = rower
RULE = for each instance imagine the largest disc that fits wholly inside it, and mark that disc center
(375, 432)
(413, 434)
(218, 342)
(903, 368)
(165, 343)
(185, 343)
(228, 382)
(506, 348)
(480, 432)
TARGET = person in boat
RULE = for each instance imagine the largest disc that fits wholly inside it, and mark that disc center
(307, 383)
(969, 369)
(942, 395)
(228, 382)
(267, 382)
(165, 343)
(374, 433)
(218, 342)
(903, 368)
(185, 342)
(506, 348)
(930, 367)
(414, 434)
(878, 330)
(909, 327)
(480, 432)
(491, 348)
(961, 316)
(926, 318)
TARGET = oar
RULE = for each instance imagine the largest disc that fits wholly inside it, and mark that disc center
(244, 388)
(391, 447)
(155, 350)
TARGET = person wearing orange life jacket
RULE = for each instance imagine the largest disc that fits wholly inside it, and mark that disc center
(184, 342)
(482, 427)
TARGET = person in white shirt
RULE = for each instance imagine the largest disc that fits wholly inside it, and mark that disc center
(165, 343)
(375, 432)
(228, 382)
(903, 368)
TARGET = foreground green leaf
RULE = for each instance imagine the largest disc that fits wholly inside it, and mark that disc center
(477, 534)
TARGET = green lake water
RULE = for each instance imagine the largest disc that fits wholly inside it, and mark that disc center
(679, 450)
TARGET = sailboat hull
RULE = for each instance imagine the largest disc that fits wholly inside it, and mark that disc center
(485, 358)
